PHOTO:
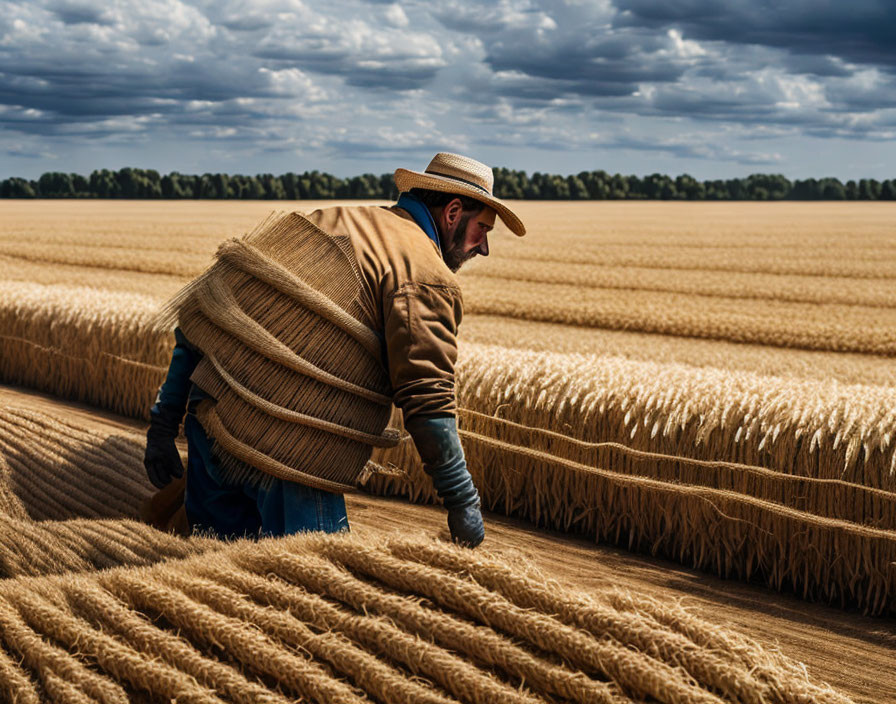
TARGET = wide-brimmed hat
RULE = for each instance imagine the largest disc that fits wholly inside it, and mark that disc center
(453, 173)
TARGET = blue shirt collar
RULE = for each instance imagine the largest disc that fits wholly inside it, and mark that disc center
(418, 210)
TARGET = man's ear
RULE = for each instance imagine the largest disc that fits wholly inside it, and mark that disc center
(452, 211)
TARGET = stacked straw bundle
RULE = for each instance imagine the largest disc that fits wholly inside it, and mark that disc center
(296, 372)
(337, 618)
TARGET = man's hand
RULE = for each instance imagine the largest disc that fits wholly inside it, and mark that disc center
(162, 459)
(466, 526)
(439, 446)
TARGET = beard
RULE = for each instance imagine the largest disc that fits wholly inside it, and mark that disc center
(453, 253)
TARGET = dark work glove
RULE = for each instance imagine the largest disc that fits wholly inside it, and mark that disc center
(162, 460)
(439, 446)
(466, 526)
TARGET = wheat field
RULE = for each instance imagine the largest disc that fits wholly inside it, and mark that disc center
(709, 383)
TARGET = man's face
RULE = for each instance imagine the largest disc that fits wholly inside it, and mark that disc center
(466, 237)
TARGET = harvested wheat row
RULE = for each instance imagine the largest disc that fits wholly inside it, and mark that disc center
(733, 663)
(11, 506)
(839, 328)
(829, 498)
(728, 533)
(127, 258)
(59, 671)
(795, 288)
(83, 343)
(843, 367)
(29, 548)
(724, 257)
(482, 645)
(327, 642)
(59, 471)
(825, 430)
(408, 621)
(160, 286)
(132, 628)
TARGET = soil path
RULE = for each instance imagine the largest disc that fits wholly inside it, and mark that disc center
(852, 652)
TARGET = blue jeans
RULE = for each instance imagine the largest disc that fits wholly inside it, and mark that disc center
(238, 510)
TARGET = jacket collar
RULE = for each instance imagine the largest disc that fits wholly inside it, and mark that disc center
(418, 210)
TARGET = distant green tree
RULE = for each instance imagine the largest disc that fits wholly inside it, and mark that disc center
(576, 188)
(807, 189)
(290, 185)
(595, 185)
(716, 190)
(687, 187)
(832, 189)
(55, 185)
(17, 188)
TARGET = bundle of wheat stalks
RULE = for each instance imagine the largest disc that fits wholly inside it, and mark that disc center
(82, 343)
(338, 618)
(798, 507)
(300, 389)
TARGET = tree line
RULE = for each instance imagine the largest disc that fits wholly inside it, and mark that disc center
(587, 185)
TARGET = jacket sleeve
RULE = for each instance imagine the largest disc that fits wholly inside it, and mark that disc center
(421, 322)
(175, 391)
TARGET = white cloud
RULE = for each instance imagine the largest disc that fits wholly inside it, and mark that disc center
(685, 48)
(396, 16)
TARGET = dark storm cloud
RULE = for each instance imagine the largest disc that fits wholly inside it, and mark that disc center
(859, 31)
(361, 54)
(565, 48)
(79, 14)
(70, 68)
(394, 72)
(741, 63)
(83, 92)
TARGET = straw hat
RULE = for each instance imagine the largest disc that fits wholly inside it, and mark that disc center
(453, 173)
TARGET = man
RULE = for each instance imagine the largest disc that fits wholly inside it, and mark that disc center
(406, 257)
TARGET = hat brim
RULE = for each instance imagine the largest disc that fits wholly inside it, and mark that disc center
(405, 180)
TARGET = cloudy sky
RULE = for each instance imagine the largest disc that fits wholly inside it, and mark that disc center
(715, 89)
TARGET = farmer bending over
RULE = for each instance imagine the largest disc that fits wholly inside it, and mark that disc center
(404, 259)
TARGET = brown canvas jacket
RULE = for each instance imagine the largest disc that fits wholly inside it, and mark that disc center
(413, 298)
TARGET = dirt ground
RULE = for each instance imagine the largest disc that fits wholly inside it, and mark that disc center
(852, 652)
